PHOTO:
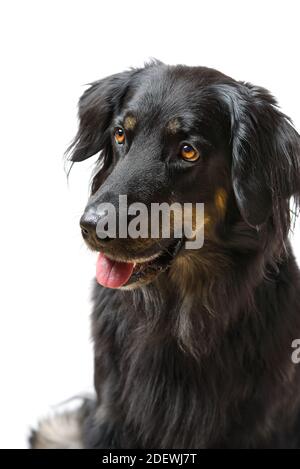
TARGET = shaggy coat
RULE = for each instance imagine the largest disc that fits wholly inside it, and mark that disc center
(198, 354)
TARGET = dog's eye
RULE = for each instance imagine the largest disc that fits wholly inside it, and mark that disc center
(119, 135)
(189, 153)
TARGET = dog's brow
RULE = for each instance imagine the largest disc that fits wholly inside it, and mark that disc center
(130, 122)
(173, 125)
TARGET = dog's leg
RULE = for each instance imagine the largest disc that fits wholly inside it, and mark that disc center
(63, 430)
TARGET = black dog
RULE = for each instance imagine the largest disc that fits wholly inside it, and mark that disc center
(194, 349)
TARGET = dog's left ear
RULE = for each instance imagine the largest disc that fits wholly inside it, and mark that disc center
(265, 152)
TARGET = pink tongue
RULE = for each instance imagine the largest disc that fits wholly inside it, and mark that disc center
(112, 274)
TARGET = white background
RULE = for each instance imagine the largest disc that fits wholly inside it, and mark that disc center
(49, 50)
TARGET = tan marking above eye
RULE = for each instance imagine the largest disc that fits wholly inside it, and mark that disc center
(119, 135)
(189, 153)
(129, 122)
(173, 125)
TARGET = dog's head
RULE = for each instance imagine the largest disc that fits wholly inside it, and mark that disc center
(179, 134)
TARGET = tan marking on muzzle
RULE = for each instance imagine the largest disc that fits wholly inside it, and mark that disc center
(221, 201)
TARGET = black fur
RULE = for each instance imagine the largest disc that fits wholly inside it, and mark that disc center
(200, 357)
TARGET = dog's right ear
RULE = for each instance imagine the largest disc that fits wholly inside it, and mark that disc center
(97, 106)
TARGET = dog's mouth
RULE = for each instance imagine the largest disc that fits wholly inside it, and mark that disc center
(112, 273)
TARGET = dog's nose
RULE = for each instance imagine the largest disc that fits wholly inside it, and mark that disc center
(88, 225)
